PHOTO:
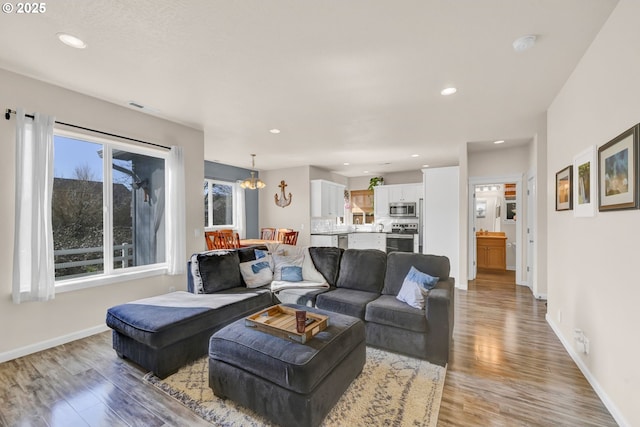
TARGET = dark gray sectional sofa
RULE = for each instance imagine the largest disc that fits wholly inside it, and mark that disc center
(165, 332)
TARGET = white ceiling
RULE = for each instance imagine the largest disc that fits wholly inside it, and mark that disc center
(353, 81)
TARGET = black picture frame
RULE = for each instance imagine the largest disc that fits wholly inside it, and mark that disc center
(618, 182)
(564, 189)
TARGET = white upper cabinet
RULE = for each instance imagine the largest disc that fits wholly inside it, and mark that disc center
(327, 198)
(381, 201)
(405, 193)
(385, 194)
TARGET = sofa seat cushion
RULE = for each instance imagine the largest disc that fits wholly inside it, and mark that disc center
(165, 319)
(300, 296)
(388, 310)
(346, 301)
(291, 365)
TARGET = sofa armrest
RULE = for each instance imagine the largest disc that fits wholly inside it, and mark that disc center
(440, 319)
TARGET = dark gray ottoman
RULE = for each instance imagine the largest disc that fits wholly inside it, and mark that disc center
(289, 383)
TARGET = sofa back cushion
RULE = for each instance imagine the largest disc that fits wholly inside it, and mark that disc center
(399, 264)
(249, 253)
(327, 262)
(215, 271)
(362, 270)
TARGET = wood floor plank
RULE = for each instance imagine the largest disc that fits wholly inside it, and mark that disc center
(506, 368)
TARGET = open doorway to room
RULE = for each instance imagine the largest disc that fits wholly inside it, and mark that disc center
(495, 229)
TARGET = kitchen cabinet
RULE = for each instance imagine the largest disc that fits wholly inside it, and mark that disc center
(368, 241)
(381, 201)
(327, 198)
(491, 251)
(333, 240)
(405, 193)
(398, 193)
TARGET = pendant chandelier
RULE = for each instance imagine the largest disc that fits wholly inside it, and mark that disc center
(253, 183)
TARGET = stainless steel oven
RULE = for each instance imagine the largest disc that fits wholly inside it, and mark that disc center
(402, 210)
(402, 238)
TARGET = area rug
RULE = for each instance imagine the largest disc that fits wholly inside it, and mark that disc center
(392, 390)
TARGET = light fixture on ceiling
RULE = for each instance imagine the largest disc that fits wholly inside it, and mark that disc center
(425, 166)
(448, 91)
(71, 40)
(346, 163)
(274, 131)
(524, 43)
(253, 183)
(500, 141)
(415, 155)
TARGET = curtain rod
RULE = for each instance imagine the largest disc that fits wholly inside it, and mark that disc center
(9, 111)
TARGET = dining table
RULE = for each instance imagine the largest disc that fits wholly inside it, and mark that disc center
(253, 242)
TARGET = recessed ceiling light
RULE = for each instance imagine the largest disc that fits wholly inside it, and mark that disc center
(274, 130)
(523, 43)
(448, 91)
(415, 155)
(425, 166)
(346, 163)
(72, 41)
(500, 141)
(365, 171)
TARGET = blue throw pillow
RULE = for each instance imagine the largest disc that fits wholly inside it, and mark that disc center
(260, 253)
(414, 285)
(292, 274)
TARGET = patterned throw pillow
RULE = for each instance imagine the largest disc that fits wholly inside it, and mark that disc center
(415, 284)
(256, 273)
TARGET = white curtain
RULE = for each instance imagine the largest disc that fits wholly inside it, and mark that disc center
(33, 264)
(176, 222)
(238, 198)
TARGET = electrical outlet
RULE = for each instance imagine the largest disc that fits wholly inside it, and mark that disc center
(586, 345)
(559, 316)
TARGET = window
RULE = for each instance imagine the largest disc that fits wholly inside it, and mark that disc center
(104, 230)
(219, 204)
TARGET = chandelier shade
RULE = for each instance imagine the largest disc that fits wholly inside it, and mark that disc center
(253, 183)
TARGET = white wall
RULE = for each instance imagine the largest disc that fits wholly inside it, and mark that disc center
(592, 262)
(32, 326)
(298, 214)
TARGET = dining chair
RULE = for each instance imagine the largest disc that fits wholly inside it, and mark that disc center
(229, 240)
(290, 238)
(210, 238)
(268, 233)
(281, 232)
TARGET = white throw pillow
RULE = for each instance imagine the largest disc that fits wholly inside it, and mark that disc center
(309, 271)
(256, 273)
(414, 287)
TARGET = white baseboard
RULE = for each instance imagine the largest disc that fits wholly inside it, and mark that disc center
(613, 409)
(43, 345)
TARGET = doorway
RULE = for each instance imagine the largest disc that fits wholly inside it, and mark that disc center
(496, 209)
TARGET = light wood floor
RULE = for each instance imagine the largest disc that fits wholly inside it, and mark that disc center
(507, 369)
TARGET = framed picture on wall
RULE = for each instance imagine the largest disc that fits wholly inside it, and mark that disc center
(564, 196)
(618, 172)
(509, 212)
(584, 183)
(481, 208)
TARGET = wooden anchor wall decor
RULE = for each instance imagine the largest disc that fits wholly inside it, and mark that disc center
(282, 201)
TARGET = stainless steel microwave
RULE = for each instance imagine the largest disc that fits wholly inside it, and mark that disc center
(397, 210)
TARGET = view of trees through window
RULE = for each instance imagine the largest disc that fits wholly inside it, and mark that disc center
(135, 214)
(218, 203)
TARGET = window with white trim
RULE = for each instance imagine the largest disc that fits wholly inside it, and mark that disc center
(219, 204)
(108, 208)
